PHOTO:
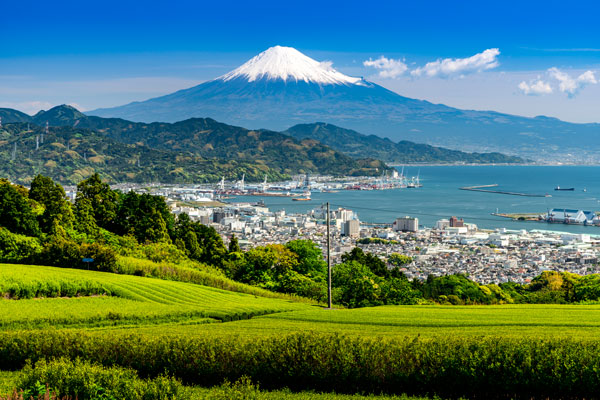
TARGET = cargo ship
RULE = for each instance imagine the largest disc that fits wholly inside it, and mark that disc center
(564, 189)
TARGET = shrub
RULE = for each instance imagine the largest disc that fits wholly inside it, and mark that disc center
(83, 380)
(15, 248)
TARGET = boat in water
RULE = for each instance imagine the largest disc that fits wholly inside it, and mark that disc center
(305, 197)
(564, 189)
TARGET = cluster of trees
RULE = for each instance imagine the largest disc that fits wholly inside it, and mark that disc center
(40, 226)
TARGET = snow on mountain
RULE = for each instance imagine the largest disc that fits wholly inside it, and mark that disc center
(287, 63)
(282, 87)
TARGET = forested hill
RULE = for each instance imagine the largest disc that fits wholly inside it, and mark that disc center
(356, 144)
(69, 155)
(210, 139)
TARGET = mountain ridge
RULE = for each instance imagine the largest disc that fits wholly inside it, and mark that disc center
(276, 104)
(157, 134)
(213, 140)
(356, 144)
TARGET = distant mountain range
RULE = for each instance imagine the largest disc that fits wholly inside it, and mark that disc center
(69, 155)
(358, 145)
(195, 150)
(282, 87)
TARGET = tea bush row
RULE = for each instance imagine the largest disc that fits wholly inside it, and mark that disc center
(453, 367)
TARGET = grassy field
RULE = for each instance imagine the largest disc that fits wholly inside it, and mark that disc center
(120, 299)
(203, 335)
(511, 321)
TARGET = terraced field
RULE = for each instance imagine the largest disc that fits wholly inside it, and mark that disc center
(117, 299)
(512, 321)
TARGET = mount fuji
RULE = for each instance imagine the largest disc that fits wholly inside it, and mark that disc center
(282, 87)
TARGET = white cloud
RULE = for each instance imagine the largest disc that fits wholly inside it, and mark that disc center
(78, 107)
(388, 67)
(459, 66)
(28, 107)
(570, 85)
(535, 87)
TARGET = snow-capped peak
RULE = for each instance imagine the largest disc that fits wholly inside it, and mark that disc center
(287, 63)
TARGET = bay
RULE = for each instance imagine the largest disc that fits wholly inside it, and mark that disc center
(440, 196)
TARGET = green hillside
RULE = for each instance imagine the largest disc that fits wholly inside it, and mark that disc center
(210, 139)
(358, 145)
(117, 299)
(69, 155)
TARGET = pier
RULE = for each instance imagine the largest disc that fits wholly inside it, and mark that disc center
(483, 188)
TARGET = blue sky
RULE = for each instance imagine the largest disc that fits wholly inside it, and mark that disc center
(107, 53)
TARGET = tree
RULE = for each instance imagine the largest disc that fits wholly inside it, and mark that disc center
(266, 264)
(16, 214)
(310, 257)
(102, 198)
(84, 218)
(355, 285)
(234, 246)
(374, 263)
(399, 260)
(144, 216)
(56, 206)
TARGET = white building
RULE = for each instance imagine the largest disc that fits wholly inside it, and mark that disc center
(406, 224)
(351, 228)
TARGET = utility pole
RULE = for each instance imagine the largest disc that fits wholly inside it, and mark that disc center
(329, 300)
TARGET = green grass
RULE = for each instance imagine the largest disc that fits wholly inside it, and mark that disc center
(133, 299)
(515, 321)
(8, 381)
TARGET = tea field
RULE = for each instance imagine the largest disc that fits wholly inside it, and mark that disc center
(202, 336)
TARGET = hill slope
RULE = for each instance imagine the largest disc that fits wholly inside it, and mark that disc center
(356, 144)
(281, 87)
(219, 149)
(69, 155)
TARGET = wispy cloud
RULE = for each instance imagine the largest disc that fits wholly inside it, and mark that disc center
(569, 85)
(535, 87)
(449, 67)
(388, 67)
(565, 50)
(28, 107)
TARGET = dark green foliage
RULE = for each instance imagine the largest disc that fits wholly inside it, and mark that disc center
(56, 206)
(16, 214)
(490, 368)
(102, 199)
(374, 263)
(64, 253)
(69, 155)
(144, 216)
(234, 246)
(85, 381)
(310, 257)
(355, 285)
(399, 259)
(85, 221)
(263, 265)
(15, 248)
(358, 145)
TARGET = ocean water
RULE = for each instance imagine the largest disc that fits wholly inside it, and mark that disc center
(440, 196)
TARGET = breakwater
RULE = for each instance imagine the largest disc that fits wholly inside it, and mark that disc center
(484, 188)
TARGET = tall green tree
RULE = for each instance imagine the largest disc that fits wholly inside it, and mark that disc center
(374, 263)
(85, 221)
(310, 257)
(355, 285)
(102, 198)
(16, 213)
(145, 216)
(57, 208)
